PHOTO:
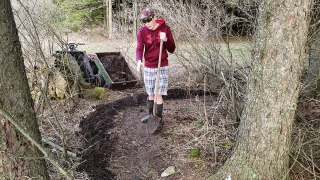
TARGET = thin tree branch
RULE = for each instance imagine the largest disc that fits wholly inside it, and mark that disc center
(52, 144)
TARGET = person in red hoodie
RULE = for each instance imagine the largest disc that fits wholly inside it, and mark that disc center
(148, 46)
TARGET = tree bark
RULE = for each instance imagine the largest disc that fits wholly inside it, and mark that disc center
(135, 18)
(106, 14)
(18, 157)
(262, 149)
(110, 19)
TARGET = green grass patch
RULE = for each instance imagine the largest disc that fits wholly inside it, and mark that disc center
(198, 125)
(95, 93)
(194, 153)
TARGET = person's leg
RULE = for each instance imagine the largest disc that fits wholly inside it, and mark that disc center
(151, 97)
(150, 103)
(159, 102)
(159, 99)
(149, 81)
(163, 89)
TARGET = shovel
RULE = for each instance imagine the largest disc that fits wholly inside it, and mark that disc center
(154, 121)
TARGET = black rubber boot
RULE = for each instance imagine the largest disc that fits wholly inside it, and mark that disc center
(150, 111)
(159, 114)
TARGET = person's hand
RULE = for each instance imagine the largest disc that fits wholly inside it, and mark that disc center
(163, 36)
(139, 65)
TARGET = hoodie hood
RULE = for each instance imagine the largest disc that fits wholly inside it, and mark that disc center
(161, 23)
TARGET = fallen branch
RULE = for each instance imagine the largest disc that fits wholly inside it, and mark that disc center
(52, 144)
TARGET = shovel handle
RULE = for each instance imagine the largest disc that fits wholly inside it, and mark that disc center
(157, 79)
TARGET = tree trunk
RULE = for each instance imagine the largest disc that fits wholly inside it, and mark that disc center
(18, 157)
(110, 19)
(262, 149)
(106, 14)
(135, 19)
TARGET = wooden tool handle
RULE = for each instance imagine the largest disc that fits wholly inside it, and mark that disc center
(157, 79)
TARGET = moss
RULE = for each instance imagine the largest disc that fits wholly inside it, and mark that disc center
(194, 153)
(199, 125)
(95, 93)
(99, 93)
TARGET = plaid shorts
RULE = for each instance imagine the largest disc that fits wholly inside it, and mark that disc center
(149, 77)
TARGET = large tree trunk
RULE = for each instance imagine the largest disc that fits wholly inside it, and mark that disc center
(262, 149)
(19, 159)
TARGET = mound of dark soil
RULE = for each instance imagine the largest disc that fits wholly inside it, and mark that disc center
(95, 129)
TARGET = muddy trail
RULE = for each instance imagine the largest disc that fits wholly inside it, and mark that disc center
(117, 146)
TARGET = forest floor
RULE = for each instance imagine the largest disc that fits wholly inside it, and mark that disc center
(112, 143)
(117, 145)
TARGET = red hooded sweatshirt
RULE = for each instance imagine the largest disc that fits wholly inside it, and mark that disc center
(149, 40)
